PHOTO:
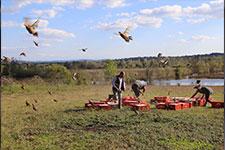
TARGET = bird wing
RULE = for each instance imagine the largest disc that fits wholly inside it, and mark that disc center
(35, 24)
(126, 32)
(160, 54)
(26, 21)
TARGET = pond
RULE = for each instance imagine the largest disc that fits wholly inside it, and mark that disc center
(206, 82)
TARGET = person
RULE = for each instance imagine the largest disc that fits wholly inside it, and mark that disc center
(139, 87)
(206, 91)
(118, 85)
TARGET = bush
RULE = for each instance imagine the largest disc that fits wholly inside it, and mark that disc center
(56, 72)
(110, 69)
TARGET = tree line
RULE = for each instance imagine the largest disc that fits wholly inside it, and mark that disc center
(94, 72)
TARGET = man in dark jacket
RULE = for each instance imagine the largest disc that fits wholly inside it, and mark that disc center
(139, 87)
(118, 85)
(206, 91)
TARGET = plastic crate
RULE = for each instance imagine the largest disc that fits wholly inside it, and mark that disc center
(129, 102)
(141, 106)
(162, 99)
(104, 106)
(217, 104)
(175, 106)
(185, 105)
(161, 106)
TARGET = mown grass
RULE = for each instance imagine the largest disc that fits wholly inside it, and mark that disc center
(66, 125)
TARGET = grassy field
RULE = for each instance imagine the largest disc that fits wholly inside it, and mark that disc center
(65, 125)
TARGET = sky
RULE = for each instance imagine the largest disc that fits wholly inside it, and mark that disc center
(171, 27)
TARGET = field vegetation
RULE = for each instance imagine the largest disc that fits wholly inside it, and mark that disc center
(65, 124)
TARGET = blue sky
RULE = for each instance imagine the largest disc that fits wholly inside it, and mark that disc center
(174, 28)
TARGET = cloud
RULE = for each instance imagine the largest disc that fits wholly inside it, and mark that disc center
(80, 4)
(141, 20)
(202, 38)
(148, 0)
(47, 13)
(180, 33)
(83, 4)
(118, 24)
(9, 24)
(133, 22)
(114, 3)
(183, 41)
(196, 21)
(56, 33)
(204, 12)
(173, 11)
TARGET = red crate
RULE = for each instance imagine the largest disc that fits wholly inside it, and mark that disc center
(104, 106)
(161, 106)
(141, 106)
(201, 102)
(163, 99)
(175, 106)
(128, 98)
(184, 105)
(190, 104)
(217, 104)
(129, 102)
(88, 105)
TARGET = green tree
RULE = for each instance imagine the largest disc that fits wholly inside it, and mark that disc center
(110, 69)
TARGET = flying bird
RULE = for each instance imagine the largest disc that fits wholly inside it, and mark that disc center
(31, 27)
(34, 108)
(23, 54)
(125, 35)
(159, 55)
(7, 60)
(83, 49)
(75, 76)
(27, 104)
(163, 61)
(36, 44)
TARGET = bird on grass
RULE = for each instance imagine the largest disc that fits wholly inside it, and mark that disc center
(27, 103)
(188, 65)
(23, 54)
(34, 108)
(83, 49)
(22, 87)
(31, 27)
(125, 35)
(36, 44)
(35, 101)
(49, 92)
(55, 100)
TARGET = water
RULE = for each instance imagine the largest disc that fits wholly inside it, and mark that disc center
(206, 82)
